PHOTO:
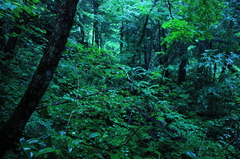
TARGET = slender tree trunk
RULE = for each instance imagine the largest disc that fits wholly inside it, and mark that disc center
(182, 67)
(147, 56)
(138, 47)
(228, 64)
(182, 71)
(96, 23)
(82, 37)
(2, 21)
(214, 72)
(143, 31)
(12, 129)
(165, 56)
(121, 38)
(11, 42)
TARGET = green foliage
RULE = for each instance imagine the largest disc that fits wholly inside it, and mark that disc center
(181, 30)
(195, 18)
(107, 102)
(32, 148)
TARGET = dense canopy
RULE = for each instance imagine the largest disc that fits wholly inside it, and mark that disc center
(120, 79)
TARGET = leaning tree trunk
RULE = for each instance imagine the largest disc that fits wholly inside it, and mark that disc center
(12, 129)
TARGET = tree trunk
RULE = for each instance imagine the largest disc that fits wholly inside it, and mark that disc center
(121, 38)
(182, 71)
(12, 41)
(164, 58)
(228, 64)
(8, 49)
(142, 35)
(2, 21)
(12, 129)
(182, 67)
(96, 23)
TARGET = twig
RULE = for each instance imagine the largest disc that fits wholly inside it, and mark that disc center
(228, 145)
(73, 108)
(131, 135)
(52, 104)
(128, 77)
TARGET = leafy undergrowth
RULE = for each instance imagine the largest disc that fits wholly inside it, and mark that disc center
(122, 113)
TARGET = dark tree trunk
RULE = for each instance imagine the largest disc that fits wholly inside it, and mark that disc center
(2, 21)
(182, 67)
(139, 43)
(121, 37)
(82, 36)
(182, 71)
(228, 64)
(96, 23)
(147, 57)
(12, 40)
(11, 43)
(138, 47)
(164, 36)
(165, 56)
(12, 129)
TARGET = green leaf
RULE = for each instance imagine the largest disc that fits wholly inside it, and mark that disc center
(62, 132)
(238, 34)
(22, 140)
(28, 9)
(162, 52)
(34, 140)
(36, 1)
(93, 149)
(191, 154)
(191, 47)
(94, 135)
(16, 14)
(46, 150)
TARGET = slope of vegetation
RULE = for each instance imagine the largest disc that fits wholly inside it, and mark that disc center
(141, 79)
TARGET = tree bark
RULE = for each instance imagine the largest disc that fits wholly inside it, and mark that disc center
(8, 48)
(2, 21)
(142, 35)
(12, 129)
(121, 38)
(96, 23)
(182, 72)
(228, 65)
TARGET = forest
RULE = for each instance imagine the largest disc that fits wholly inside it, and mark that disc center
(119, 79)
